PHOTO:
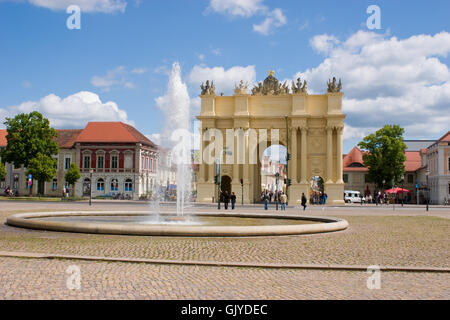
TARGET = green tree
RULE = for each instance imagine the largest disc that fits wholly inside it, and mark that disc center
(73, 174)
(385, 155)
(28, 135)
(2, 171)
(42, 167)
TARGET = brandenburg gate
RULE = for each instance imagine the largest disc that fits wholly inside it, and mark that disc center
(310, 124)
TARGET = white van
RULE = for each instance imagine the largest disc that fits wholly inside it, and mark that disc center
(351, 196)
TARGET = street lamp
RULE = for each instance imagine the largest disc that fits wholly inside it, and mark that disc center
(428, 188)
(277, 176)
(288, 157)
(403, 184)
(90, 186)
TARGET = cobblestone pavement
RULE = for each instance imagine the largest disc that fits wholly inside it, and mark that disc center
(376, 236)
(47, 279)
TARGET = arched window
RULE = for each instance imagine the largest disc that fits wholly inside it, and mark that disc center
(114, 185)
(100, 185)
(128, 185)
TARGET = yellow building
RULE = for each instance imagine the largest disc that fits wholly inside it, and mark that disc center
(249, 123)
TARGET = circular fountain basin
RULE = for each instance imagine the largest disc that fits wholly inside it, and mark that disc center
(199, 225)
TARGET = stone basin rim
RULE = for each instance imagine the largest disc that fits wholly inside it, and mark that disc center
(31, 221)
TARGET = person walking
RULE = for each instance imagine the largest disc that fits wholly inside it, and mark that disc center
(233, 200)
(303, 201)
(226, 200)
(283, 199)
(266, 201)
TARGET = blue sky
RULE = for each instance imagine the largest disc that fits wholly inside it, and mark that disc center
(117, 64)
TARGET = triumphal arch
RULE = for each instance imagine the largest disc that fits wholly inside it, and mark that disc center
(310, 125)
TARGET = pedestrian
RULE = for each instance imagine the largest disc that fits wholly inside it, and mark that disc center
(325, 196)
(233, 200)
(283, 199)
(63, 193)
(226, 200)
(303, 201)
(266, 201)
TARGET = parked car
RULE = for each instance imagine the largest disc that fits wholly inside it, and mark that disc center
(351, 196)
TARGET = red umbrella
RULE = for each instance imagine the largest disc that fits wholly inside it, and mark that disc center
(397, 190)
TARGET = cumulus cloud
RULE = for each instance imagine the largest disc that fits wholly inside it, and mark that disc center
(274, 19)
(387, 80)
(248, 8)
(73, 111)
(104, 6)
(323, 43)
(224, 80)
(241, 8)
(115, 77)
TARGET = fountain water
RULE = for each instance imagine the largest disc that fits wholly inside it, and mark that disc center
(175, 105)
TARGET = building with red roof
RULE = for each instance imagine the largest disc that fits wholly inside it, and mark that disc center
(113, 157)
(355, 173)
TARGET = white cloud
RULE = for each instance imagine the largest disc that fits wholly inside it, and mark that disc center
(115, 77)
(139, 70)
(274, 19)
(248, 8)
(241, 8)
(323, 43)
(224, 80)
(73, 111)
(105, 6)
(387, 80)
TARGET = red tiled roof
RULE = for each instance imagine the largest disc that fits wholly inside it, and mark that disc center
(66, 138)
(355, 155)
(445, 137)
(413, 161)
(3, 134)
(117, 132)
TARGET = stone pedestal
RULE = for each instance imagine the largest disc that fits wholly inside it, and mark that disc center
(335, 192)
(295, 193)
(206, 192)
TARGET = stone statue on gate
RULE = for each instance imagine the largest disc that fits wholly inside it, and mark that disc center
(208, 89)
(333, 87)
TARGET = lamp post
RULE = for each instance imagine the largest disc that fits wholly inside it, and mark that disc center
(288, 157)
(91, 171)
(403, 184)
(277, 176)
(428, 189)
(242, 191)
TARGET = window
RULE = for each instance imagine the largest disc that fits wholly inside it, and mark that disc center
(87, 162)
(114, 162)
(55, 165)
(55, 184)
(128, 161)
(100, 185)
(345, 178)
(128, 185)
(100, 162)
(410, 178)
(114, 185)
(67, 163)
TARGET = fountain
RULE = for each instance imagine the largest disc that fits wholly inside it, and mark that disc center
(175, 104)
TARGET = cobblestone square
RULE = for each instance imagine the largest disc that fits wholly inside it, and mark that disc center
(34, 264)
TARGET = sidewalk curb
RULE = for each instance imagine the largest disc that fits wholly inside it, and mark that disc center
(33, 255)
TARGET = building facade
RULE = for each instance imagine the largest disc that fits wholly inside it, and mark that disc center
(113, 157)
(313, 125)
